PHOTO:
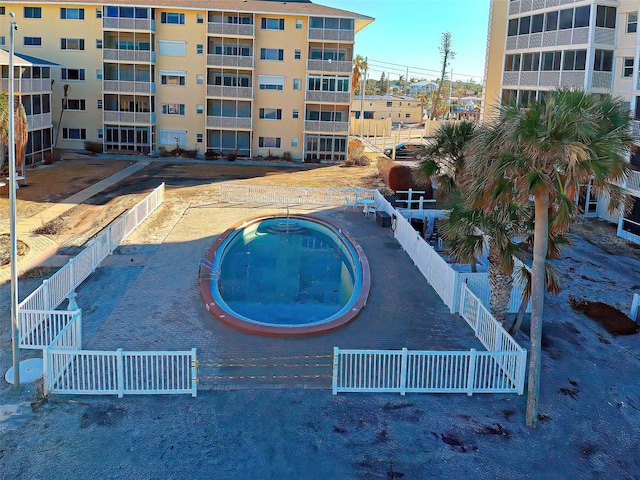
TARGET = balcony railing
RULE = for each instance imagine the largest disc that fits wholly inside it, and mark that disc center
(40, 120)
(28, 85)
(230, 61)
(229, 122)
(128, 117)
(331, 34)
(328, 97)
(229, 92)
(109, 23)
(327, 127)
(215, 28)
(124, 86)
(329, 66)
(128, 55)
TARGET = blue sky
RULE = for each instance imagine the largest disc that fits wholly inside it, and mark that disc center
(408, 32)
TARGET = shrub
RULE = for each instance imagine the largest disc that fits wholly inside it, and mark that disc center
(397, 177)
(212, 155)
(286, 156)
(357, 157)
(163, 152)
(231, 156)
(95, 147)
(189, 153)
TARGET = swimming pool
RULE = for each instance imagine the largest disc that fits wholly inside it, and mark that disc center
(293, 276)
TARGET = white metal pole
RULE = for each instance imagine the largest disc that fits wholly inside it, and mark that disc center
(15, 325)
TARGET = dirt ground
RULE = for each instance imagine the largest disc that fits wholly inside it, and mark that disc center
(589, 405)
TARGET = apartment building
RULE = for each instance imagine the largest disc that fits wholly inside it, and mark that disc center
(252, 77)
(535, 46)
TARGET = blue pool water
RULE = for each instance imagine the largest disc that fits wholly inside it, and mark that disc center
(286, 272)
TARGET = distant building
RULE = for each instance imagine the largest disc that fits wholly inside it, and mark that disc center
(422, 87)
(398, 108)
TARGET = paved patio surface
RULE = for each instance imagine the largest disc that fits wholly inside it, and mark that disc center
(145, 297)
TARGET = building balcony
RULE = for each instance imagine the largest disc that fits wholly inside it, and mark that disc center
(327, 97)
(128, 55)
(552, 79)
(331, 34)
(40, 120)
(555, 38)
(110, 23)
(233, 29)
(229, 61)
(147, 118)
(326, 127)
(229, 122)
(125, 86)
(229, 92)
(330, 66)
(27, 85)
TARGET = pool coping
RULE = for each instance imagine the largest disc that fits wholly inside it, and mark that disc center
(273, 331)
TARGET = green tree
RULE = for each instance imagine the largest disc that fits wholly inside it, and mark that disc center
(546, 152)
(360, 67)
(447, 55)
(383, 84)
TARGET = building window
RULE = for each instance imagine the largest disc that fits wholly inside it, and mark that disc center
(512, 63)
(99, 74)
(199, 18)
(72, 74)
(199, 109)
(272, 54)
(173, 48)
(32, 41)
(271, 82)
(298, 24)
(171, 137)
(271, 113)
(98, 43)
(294, 142)
(530, 62)
(199, 49)
(537, 23)
(173, 78)
(512, 29)
(297, 54)
(524, 25)
(2, 41)
(603, 61)
(632, 22)
(269, 142)
(74, 133)
(32, 12)
(272, 24)
(389, 104)
(551, 61)
(296, 113)
(2, 10)
(199, 138)
(173, 108)
(72, 43)
(627, 69)
(99, 104)
(98, 13)
(551, 21)
(574, 60)
(100, 133)
(172, 18)
(72, 13)
(581, 17)
(566, 19)
(606, 17)
(199, 79)
(75, 104)
(297, 83)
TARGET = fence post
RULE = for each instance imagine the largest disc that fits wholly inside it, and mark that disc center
(194, 373)
(120, 372)
(110, 239)
(334, 380)
(472, 371)
(46, 360)
(47, 299)
(403, 371)
(633, 315)
(78, 329)
(521, 371)
(499, 335)
(72, 274)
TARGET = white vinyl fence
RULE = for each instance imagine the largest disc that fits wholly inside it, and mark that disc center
(230, 193)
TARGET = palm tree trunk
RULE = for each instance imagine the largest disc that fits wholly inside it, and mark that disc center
(515, 328)
(540, 243)
(500, 284)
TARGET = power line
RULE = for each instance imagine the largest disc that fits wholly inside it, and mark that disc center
(382, 66)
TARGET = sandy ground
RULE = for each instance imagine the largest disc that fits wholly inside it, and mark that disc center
(590, 398)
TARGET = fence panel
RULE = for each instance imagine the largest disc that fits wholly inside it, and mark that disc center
(367, 371)
(293, 195)
(434, 372)
(39, 328)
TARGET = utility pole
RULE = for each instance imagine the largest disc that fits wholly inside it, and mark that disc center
(363, 88)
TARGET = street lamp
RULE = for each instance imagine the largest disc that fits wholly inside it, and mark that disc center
(15, 321)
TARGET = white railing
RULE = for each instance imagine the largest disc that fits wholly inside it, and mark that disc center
(478, 283)
(119, 373)
(230, 193)
(405, 371)
(54, 290)
(39, 328)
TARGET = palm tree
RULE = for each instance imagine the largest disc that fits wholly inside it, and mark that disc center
(360, 67)
(21, 129)
(445, 155)
(545, 152)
